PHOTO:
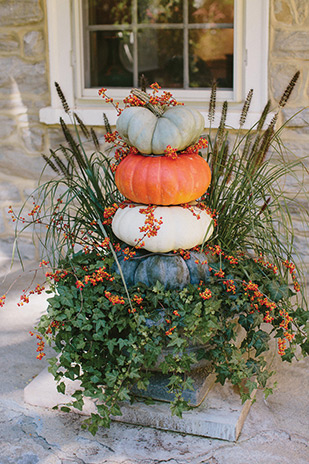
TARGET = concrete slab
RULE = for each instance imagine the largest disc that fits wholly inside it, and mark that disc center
(221, 414)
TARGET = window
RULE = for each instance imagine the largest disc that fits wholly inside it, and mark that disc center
(182, 44)
(178, 43)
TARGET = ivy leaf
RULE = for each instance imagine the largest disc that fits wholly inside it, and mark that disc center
(65, 301)
(95, 379)
(111, 344)
(260, 342)
(177, 408)
(142, 384)
(122, 343)
(65, 409)
(100, 323)
(158, 288)
(78, 394)
(223, 373)
(53, 369)
(277, 291)
(251, 386)
(54, 301)
(269, 390)
(305, 347)
(87, 327)
(115, 410)
(61, 388)
(176, 341)
(246, 321)
(123, 394)
(111, 378)
(288, 355)
(301, 316)
(78, 405)
(93, 428)
(188, 384)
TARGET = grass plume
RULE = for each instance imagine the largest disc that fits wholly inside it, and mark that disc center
(245, 108)
(106, 124)
(212, 102)
(63, 100)
(287, 93)
(246, 189)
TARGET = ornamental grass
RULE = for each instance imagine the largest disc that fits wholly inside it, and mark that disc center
(108, 334)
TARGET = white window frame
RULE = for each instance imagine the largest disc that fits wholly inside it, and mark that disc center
(64, 21)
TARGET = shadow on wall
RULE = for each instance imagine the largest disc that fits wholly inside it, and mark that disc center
(21, 166)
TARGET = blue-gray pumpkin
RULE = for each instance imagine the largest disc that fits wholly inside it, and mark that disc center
(172, 271)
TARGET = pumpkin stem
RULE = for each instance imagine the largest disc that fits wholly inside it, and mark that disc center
(158, 111)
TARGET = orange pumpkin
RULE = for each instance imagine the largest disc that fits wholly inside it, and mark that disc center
(160, 180)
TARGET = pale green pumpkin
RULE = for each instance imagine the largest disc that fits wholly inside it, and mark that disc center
(178, 126)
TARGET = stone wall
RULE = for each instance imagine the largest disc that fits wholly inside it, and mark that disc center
(289, 52)
(24, 89)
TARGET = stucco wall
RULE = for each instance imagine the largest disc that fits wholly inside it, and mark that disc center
(24, 89)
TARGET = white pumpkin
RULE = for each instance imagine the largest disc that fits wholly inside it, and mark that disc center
(178, 126)
(180, 227)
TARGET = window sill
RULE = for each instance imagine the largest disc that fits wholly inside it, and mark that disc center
(94, 117)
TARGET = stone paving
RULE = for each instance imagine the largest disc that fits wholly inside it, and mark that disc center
(276, 430)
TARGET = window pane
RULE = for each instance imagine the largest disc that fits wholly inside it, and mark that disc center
(111, 59)
(211, 11)
(156, 11)
(160, 56)
(171, 45)
(110, 11)
(211, 57)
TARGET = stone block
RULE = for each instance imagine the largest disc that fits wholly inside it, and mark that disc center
(34, 43)
(280, 73)
(221, 415)
(296, 117)
(18, 76)
(26, 107)
(301, 244)
(23, 227)
(9, 42)
(2, 224)
(33, 138)
(299, 208)
(15, 162)
(300, 224)
(26, 249)
(290, 186)
(28, 193)
(7, 126)
(291, 44)
(294, 146)
(9, 192)
(18, 13)
(291, 12)
(282, 11)
(55, 137)
(29, 117)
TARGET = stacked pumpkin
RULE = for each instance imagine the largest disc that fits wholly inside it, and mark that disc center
(151, 178)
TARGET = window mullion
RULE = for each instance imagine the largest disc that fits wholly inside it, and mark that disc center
(135, 45)
(86, 41)
(185, 45)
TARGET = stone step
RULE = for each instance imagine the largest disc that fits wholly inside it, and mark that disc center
(220, 415)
